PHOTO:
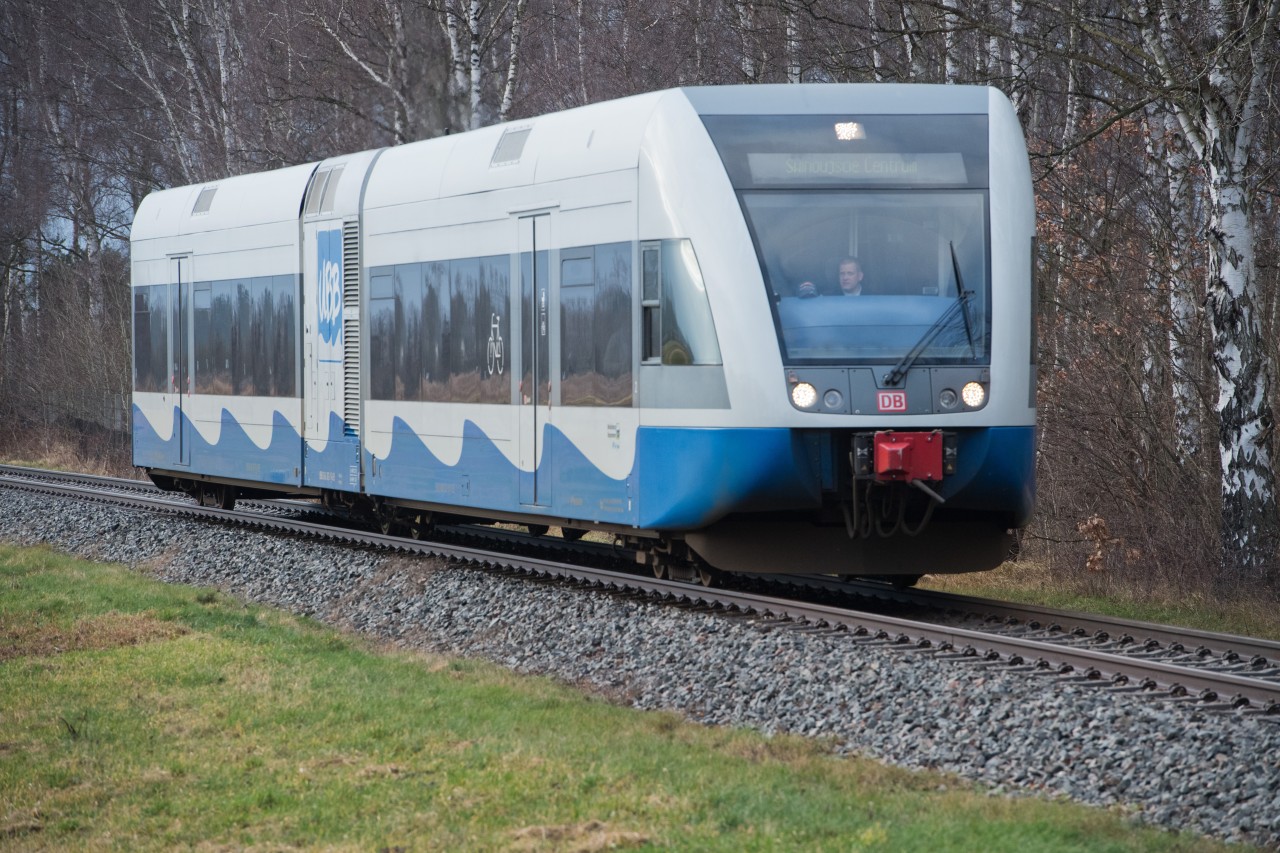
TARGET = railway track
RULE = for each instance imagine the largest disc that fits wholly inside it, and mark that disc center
(1215, 673)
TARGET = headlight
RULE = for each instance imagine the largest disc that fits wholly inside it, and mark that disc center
(948, 399)
(973, 394)
(804, 395)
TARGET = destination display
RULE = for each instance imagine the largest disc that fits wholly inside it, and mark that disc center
(857, 168)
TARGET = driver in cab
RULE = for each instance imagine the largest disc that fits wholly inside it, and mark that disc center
(850, 276)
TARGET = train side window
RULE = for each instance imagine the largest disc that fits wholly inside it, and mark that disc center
(595, 325)
(678, 328)
(202, 334)
(613, 324)
(151, 337)
(382, 325)
(284, 337)
(222, 350)
(408, 331)
(650, 301)
(466, 339)
(577, 327)
(492, 317)
(435, 331)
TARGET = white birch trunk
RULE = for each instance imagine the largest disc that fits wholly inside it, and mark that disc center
(582, 56)
(1220, 120)
(746, 21)
(877, 58)
(513, 60)
(911, 43)
(476, 78)
(1172, 168)
(793, 47)
(393, 79)
(144, 70)
(1020, 28)
(950, 40)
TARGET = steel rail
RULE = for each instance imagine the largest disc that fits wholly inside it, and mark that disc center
(1099, 667)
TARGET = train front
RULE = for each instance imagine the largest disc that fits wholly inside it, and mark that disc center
(891, 233)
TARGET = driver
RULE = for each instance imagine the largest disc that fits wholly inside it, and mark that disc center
(850, 276)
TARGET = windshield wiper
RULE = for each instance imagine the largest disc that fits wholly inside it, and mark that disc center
(960, 306)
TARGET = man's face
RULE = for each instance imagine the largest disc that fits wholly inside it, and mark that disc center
(850, 277)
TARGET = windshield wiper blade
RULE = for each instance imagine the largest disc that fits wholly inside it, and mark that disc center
(959, 306)
(901, 368)
(962, 297)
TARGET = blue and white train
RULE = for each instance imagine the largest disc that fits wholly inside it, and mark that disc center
(629, 317)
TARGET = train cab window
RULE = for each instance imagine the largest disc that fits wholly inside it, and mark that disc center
(676, 315)
(899, 200)
(916, 255)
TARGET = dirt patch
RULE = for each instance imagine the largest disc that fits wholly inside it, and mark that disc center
(109, 631)
(576, 838)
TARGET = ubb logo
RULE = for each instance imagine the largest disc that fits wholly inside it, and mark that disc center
(329, 285)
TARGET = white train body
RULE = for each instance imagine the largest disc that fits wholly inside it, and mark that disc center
(594, 319)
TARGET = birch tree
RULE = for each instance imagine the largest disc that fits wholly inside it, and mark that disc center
(1230, 56)
(478, 32)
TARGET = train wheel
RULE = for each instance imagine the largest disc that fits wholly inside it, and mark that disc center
(572, 534)
(660, 569)
(707, 575)
(421, 525)
(387, 518)
(537, 529)
(214, 495)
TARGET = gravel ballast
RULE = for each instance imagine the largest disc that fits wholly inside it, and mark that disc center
(1164, 764)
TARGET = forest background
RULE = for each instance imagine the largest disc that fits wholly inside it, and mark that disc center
(1153, 126)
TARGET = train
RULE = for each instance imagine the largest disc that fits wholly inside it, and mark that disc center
(771, 329)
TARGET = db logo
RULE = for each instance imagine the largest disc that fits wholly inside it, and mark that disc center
(891, 401)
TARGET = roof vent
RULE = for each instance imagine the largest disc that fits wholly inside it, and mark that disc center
(510, 146)
(204, 201)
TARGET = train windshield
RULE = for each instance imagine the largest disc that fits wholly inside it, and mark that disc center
(891, 210)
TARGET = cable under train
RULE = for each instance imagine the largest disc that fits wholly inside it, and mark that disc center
(772, 329)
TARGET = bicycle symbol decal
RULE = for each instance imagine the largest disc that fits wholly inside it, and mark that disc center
(495, 361)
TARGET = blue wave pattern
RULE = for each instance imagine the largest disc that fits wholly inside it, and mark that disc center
(682, 478)
(234, 456)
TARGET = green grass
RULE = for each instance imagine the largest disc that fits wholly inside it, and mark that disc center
(135, 715)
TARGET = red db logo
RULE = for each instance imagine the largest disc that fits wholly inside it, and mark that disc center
(891, 401)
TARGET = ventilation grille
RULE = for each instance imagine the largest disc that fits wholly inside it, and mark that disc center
(510, 147)
(204, 201)
(351, 327)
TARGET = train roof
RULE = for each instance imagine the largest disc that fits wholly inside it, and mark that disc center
(837, 98)
(246, 200)
(592, 139)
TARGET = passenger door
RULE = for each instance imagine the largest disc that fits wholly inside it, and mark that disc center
(179, 354)
(537, 344)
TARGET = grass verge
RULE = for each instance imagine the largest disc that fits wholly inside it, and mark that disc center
(136, 715)
(1030, 582)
